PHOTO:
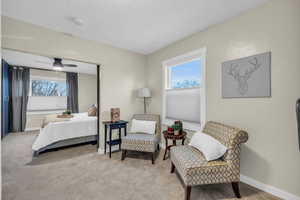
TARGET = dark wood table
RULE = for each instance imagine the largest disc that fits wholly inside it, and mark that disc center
(173, 137)
(111, 126)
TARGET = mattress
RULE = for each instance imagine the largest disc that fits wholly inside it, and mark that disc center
(79, 126)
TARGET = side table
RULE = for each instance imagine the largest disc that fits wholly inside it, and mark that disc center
(113, 125)
(174, 138)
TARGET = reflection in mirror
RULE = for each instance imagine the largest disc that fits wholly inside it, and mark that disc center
(54, 99)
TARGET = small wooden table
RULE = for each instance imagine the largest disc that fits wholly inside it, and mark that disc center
(114, 125)
(173, 137)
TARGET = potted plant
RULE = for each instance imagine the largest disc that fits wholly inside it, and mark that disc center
(176, 128)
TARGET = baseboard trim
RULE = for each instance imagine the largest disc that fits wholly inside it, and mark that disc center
(113, 148)
(100, 151)
(268, 188)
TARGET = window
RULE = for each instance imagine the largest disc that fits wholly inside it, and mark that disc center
(48, 88)
(184, 90)
(186, 75)
(48, 91)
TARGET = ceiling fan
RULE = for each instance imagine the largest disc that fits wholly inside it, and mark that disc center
(58, 65)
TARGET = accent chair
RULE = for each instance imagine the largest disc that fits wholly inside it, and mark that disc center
(142, 142)
(193, 168)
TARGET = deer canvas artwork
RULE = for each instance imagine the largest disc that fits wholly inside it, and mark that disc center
(247, 77)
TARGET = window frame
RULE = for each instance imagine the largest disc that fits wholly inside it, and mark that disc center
(199, 54)
(32, 78)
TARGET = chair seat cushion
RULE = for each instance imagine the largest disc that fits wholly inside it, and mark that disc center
(194, 169)
(140, 142)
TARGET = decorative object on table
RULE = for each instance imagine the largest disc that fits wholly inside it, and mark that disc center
(92, 111)
(177, 127)
(173, 137)
(170, 130)
(111, 126)
(66, 114)
(115, 114)
(193, 168)
(144, 93)
(247, 77)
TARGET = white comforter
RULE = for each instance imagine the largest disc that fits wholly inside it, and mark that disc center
(78, 126)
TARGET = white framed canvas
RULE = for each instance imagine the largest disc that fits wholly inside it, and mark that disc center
(247, 77)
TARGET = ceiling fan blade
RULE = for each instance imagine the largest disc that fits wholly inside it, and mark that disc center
(43, 62)
(69, 65)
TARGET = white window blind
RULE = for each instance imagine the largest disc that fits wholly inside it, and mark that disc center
(183, 104)
(184, 96)
(47, 103)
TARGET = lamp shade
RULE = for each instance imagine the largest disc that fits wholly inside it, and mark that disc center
(144, 92)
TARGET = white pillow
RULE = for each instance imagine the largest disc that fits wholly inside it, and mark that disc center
(211, 148)
(140, 126)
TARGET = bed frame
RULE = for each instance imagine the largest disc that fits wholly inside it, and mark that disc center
(92, 139)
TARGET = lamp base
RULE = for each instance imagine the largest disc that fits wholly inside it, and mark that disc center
(145, 109)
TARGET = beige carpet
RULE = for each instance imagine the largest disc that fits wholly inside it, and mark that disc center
(79, 173)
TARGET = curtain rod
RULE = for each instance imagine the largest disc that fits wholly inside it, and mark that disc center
(50, 56)
(51, 70)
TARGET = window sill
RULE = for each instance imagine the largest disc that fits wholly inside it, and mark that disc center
(186, 125)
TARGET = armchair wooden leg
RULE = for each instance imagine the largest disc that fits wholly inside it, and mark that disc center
(152, 158)
(187, 194)
(236, 189)
(123, 154)
(172, 168)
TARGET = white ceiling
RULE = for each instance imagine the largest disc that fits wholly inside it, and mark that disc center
(142, 26)
(42, 62)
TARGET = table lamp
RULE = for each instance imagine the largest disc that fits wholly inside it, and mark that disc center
(144, 93)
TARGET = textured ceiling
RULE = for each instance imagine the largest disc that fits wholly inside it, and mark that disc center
(142, 26)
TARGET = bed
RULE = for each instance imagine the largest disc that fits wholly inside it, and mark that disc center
(77, 130)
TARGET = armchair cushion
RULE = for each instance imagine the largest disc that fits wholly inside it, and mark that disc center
(211, 148)
(140, 142)
(195, 169)
(144, 126)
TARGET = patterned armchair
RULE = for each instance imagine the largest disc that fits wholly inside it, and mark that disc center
(140, 141)
(195, 170)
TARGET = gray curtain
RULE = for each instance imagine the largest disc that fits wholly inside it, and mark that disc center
(72, 92)
(20, 80)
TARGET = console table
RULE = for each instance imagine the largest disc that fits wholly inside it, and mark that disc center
(111, 126)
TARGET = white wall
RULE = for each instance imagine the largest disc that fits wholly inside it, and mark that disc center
(122, 71)
(272, 154)
(87, 91)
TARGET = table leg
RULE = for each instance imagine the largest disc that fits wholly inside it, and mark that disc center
(110, 133)
(166, 148)
(105, 135)
(174, 144)
(183, 141)
(125, 130)
(120, 138)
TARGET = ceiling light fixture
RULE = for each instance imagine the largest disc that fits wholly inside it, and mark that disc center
(77, 21)
(57, 65)
(57, 68)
